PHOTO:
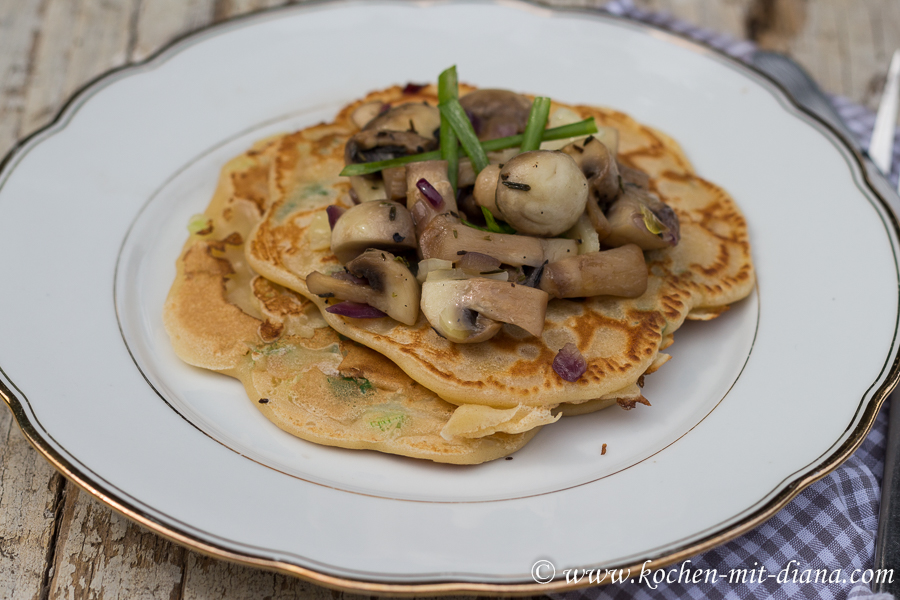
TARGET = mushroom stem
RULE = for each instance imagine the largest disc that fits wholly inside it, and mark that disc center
(618, 272)
(447, 239)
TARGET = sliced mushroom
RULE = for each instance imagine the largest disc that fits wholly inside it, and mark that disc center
(371, 145)
(414, 117)
(395, 183)
(446, 238)
(486, 187)
(542, 192)
(639, 217)
(618, 272)
(496, 113)
(367, 111)
(634, 177)
(468, 310)
(425, 207)
(599, 166)
(388, 285)
(379, 224)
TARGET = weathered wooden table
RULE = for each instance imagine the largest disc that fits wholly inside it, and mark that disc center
(55, 541)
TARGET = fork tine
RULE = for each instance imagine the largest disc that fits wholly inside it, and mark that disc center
(881, 148)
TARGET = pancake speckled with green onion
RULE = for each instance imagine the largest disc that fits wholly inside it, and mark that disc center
(302, 375)
(620, 339)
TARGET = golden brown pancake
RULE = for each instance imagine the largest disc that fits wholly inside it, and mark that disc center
(620, 338)
(300, 373)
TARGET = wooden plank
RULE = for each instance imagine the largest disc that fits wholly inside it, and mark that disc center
(29, 493)
(226, 9)
(78, 41)
(101, 554)
(20, 32)
(161, 21)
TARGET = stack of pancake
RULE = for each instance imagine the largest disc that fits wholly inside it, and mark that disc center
(240, 306)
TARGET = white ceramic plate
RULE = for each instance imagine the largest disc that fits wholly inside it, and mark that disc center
(754, 406)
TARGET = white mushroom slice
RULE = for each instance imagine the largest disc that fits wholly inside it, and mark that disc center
(431, 264)
(485, 191)
(389, 285)
(541, 192)
(585, 235)
(368, 189)
(444, 274)
(467, 310)
(378, 224)
(618, 272)
(367, 111)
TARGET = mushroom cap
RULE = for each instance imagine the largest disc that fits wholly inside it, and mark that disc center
(376, 224)
(450, 305)
(415, 117)
(496, 113)
(599, 166)
(405, 129)
(394, 288)
(632, 216)
(542, 192)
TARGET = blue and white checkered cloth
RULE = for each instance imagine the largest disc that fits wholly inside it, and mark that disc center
(830, 525)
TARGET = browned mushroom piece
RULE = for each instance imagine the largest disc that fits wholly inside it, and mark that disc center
(377, 224)
(496, 113)
(448, 239)
(639, 217)
(599, 167)
(370, 145)
(618, 272)
(634, 177)
(468, 310)
(542, 192)
(386, 284)
(415, 117)
(402, 130)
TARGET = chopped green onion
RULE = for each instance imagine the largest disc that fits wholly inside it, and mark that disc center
(453, 111)
(492, 223)
(537, 121)
(448, 89)
(585, 127)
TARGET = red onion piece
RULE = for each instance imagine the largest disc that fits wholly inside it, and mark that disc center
(476, 261)
(569, 363)
(346, 276)
(334, 213)
(413, 88)
(355, 310)
(432, 195)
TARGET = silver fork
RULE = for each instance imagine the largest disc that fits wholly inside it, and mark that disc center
(806, 93)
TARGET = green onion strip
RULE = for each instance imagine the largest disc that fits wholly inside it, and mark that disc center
(537, 121)
(448, 89)
(453, 112)
(581, 128)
